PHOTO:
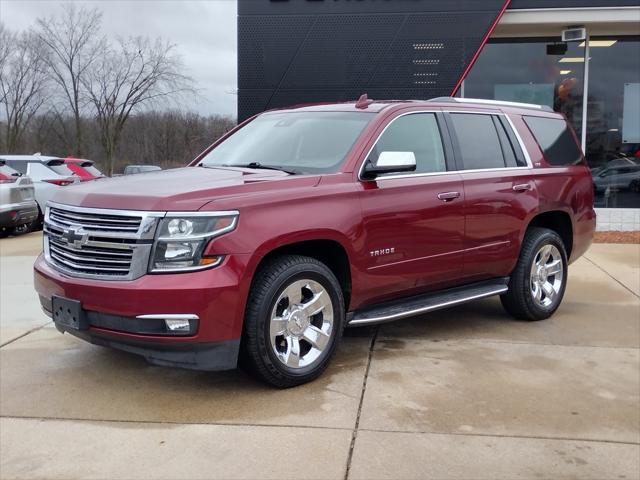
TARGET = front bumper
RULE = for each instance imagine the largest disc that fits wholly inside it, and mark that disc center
(215, 296)
(16, 214)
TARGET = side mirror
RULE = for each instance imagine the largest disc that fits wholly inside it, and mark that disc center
(390, 162)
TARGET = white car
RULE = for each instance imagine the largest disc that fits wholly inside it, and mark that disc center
(42, 171)
(18, 208)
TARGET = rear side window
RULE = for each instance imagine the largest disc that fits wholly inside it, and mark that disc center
(478, 141)
(556, 140)
(18, 165)
(417, 133)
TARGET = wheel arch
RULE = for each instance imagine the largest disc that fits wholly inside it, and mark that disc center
(326, 249)
(560, 222)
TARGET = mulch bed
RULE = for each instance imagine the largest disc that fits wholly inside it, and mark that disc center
(617, 237)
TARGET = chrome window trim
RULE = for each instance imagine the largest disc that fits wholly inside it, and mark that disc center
(361, 170)
(525, 152)
(447, 172)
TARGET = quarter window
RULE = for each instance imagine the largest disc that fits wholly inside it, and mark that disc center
(556, 140)
(417, 133)
(478, 142)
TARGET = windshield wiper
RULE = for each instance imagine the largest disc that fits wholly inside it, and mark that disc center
(258, 165)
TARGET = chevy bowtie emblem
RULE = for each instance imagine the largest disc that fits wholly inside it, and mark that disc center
(73, 238)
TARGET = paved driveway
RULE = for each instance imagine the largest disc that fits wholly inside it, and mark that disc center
(464, 393)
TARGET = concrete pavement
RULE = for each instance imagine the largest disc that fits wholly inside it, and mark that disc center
(462, 393)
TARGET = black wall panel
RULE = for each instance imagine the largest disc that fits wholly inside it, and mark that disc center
(301, 51)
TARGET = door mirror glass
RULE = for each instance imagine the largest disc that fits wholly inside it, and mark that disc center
(390, 162)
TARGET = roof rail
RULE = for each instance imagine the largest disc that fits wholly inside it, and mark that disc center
(483, 101)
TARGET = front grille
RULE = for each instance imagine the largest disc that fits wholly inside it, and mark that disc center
(99, 243)
(96, 223)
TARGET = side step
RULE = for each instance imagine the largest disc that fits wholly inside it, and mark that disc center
(428, 302)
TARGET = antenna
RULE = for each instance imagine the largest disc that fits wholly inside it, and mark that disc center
(364, 101)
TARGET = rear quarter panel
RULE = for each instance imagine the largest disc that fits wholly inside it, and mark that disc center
(562, 188)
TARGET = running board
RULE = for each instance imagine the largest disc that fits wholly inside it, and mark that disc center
(428, 302)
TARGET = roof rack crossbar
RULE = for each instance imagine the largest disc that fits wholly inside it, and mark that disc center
(483, 101)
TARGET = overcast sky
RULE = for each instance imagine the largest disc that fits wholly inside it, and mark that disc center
(204, 32)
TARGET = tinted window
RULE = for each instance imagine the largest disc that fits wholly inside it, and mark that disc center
(478, 141)
(555, 140)
(417, 133)
(18, 165)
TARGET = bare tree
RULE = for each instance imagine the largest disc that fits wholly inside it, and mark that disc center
(74, 43)
(22, 83)
(7, 40)
(139, 73)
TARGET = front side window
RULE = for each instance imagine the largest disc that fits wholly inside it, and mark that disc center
(299, 142)
(556, 140)
(478, 142)
(417, 133)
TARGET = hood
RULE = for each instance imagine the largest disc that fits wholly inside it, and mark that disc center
(180, 189)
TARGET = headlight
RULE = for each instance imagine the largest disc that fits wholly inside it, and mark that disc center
(182, 238)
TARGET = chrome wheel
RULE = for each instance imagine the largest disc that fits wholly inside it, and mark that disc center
(301, 323)
(546, 276)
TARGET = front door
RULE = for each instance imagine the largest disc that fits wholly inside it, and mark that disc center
(413, 222)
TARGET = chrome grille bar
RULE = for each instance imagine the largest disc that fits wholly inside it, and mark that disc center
(99, 243)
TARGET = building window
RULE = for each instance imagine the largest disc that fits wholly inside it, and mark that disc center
(526, 70)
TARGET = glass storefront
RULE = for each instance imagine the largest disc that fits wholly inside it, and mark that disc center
(541, 70)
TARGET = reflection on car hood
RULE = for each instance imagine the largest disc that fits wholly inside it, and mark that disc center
(186, 189)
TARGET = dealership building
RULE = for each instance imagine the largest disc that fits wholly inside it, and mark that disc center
(579, 57)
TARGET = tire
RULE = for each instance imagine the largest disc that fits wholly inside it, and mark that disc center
(271, 325)
(536, 286)
(634, 186)
(5, 231)
(24, 228)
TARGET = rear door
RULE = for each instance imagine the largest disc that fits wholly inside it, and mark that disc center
(413, 222)
(499, 191)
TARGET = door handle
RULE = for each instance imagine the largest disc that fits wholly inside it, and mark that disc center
(523, 187)
(448, 196)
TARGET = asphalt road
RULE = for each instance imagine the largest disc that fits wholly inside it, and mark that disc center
(463, 393)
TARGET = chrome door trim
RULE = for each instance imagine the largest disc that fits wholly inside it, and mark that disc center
(447, 172)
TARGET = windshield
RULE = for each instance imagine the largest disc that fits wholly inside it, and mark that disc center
(301, 142)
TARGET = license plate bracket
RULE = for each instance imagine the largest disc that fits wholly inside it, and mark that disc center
(68, 313)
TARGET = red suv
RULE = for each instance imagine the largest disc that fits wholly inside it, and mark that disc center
(303, 221)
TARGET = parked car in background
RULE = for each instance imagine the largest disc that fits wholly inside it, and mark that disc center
(132, 169)
(83, 168)
(623, 177)
(18, 207)
(40, 169)
(616, 162)
(303, 221)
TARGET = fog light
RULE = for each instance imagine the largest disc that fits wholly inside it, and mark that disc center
(178, 325)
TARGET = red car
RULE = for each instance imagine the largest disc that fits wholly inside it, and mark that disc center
(303, 221)
(85, 169)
